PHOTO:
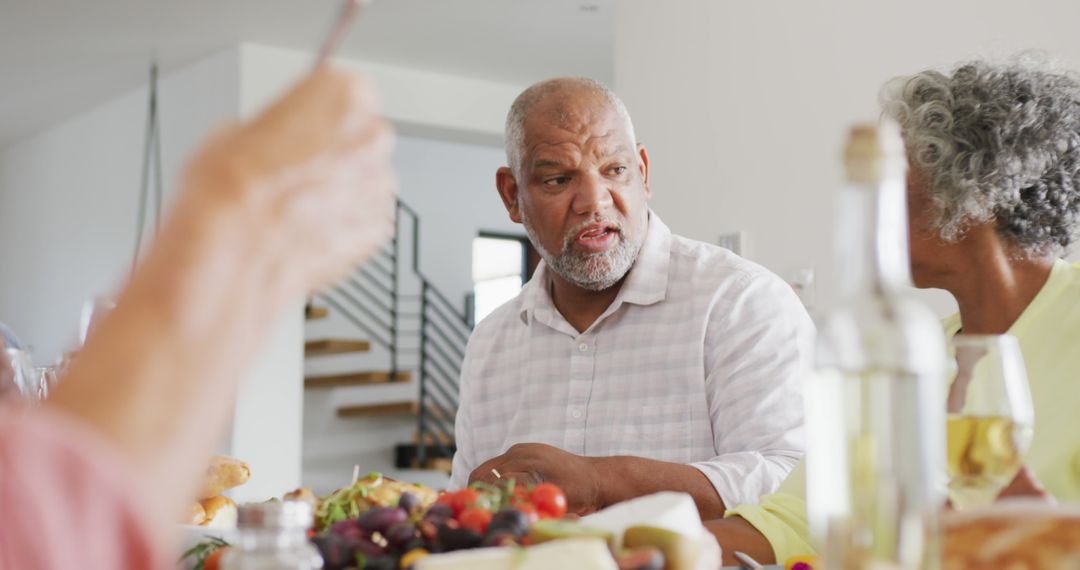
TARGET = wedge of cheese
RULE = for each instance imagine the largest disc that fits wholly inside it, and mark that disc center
(672, 511)
(668, 521)
(577, 553)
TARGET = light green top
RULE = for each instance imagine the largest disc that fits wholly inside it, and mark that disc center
(1049, 334)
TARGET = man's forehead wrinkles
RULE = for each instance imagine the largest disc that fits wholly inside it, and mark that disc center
(591, 144)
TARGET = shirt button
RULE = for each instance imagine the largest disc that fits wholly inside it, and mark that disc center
(583, 347)
(576, 413)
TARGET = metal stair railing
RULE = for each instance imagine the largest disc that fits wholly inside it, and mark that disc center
(372, 299)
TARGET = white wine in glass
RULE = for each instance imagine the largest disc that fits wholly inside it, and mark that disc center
(990, 418)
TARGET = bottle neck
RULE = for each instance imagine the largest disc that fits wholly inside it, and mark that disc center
(873, 239)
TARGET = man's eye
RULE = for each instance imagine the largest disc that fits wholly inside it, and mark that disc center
(618, 170)
(556, 180)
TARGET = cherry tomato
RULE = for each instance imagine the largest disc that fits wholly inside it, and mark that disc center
(520, 496)
(213, 561)
(476, 520)
(445, 498)
(549, 500)
(462, 500)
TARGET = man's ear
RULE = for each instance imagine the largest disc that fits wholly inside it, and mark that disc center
(508, 191)
(643, 166)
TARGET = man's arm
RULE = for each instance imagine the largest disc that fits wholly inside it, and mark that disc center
(158, 377)
(592, 483)
(624, 478)
(758, 348)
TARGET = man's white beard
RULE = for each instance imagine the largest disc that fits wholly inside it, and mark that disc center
(590, 271)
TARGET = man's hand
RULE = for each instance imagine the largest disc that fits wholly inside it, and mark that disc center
(308, 184)
(1026, 485)
(592, 483)
(535, 463)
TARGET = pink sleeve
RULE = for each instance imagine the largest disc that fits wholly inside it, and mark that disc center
(66, 498)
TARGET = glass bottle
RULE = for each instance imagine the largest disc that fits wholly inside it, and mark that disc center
(876, 475)
(273, 536)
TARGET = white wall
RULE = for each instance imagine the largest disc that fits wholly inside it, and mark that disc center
(267, 426)
(452, 188)
(426, 101)
(744, 105)
(68, 199)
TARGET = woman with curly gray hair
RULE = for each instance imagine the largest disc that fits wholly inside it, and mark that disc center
(993, 202)
(994, 183)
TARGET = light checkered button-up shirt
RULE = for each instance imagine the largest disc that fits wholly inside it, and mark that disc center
(699, 360)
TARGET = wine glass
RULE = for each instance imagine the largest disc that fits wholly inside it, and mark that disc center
(45, 378)
(990, 418)
(18, 376)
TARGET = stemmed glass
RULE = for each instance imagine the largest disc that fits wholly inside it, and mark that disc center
(19, 378)
(990, 418)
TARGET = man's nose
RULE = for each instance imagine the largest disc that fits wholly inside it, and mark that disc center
(592, 195)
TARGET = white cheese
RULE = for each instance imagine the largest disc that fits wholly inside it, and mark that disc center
(577, 553)
(668, 510)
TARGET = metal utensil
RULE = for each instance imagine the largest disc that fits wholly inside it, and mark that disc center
(348, 13)
(747, 561)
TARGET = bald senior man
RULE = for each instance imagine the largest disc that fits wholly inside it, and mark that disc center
(635, 360)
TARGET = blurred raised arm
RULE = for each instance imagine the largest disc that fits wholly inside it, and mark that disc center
(270, 209)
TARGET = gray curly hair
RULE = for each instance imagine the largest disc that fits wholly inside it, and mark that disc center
(998, 143)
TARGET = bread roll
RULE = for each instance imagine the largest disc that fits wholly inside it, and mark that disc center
(1018, 536)
(221, 512)
(303, 494)
(196, 514)
(223, 473)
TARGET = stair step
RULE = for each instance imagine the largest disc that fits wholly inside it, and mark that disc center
(430, 438)
(356, 379)
(405, 457)
(375, 410)
(408, 408)
(439, 464)
(312, 312)
(325, 346)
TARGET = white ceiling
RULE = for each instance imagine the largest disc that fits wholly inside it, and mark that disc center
(59, 57)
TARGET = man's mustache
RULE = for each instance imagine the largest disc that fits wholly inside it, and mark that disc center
(572, 233)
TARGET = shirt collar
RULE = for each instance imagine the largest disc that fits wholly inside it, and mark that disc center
(1051, 291)
(645, 284)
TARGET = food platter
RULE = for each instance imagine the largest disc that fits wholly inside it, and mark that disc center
(377, 523)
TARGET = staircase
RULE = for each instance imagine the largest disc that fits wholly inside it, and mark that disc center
(387, 343)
